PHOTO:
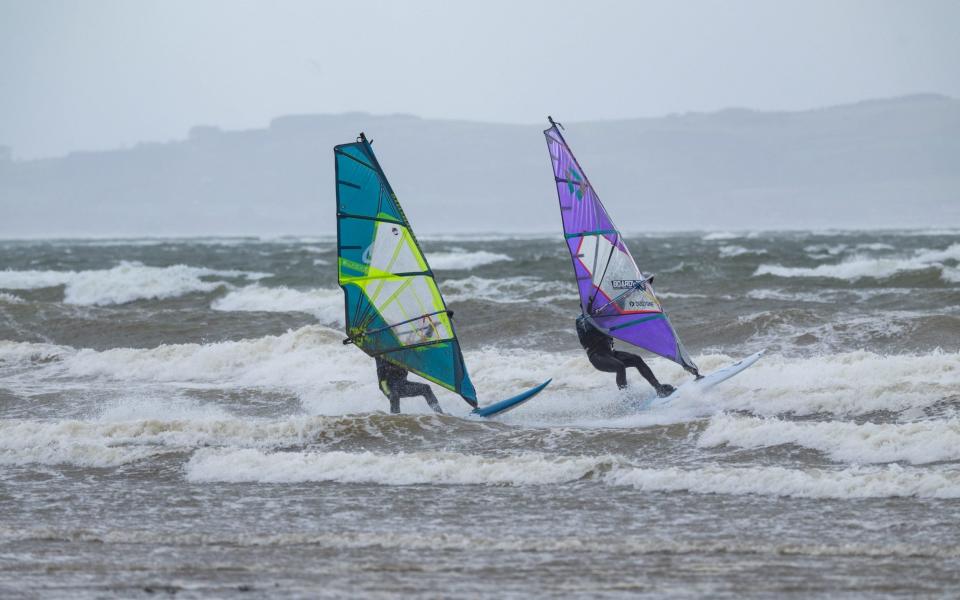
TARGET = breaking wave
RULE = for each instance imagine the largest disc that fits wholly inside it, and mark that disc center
(324, 304)
(735, 251)
(128, 432)
(506, 290)
(860, 266)
(916, 443)
(722, 236)
(847, 384)
(312, 363)
(451, 468)
(459, 259)
(124, 283)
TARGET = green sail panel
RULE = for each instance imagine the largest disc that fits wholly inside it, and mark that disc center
(394, 309)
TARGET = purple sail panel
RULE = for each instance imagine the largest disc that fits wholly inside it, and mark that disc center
(580, 207)
(612, 288)
(655, 334)
(583, 275)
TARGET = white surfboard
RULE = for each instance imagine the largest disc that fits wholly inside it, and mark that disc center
(703, 384)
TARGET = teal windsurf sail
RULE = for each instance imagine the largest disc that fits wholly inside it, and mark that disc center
(394, 309)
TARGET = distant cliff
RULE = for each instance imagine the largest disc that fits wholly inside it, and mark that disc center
(882, 163)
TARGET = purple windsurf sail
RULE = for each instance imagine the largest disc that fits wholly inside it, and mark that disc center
(613, 291)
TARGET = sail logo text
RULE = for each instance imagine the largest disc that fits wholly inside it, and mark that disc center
(626, 284)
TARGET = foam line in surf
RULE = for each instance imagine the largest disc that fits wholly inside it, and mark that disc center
(308, 361)
(457, 259)
(326, 304)
(859, 266)
(916, 443)
(123, 283)
(450, 468)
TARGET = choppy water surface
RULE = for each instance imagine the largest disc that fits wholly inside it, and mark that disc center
(179, 416)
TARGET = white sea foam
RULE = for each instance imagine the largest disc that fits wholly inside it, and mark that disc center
(826, 295)
(449, 468)
(843, 384)
(445, 468)
(108, 242)
(917, 443)
(859, 266)
(266, 361)
(459, 259)
(312, 363)
(24, 353)
(109, 442)
(848, 383)
(951, 253)
(721, 236)
(855, 331)
(875, 246)
(6, 298)
(325, 304)
(820, 251)
(504, 290)
(73, 442)
(484, 237)
(856, 267)
(781, 295)
(126, 282)
(850, 483)
(78, 454)
(665, 294)
(734, 251)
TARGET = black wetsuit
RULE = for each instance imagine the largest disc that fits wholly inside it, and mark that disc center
(394, 385)
(603, 357)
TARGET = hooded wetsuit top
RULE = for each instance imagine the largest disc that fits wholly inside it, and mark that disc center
(389, 374)
(591, 338)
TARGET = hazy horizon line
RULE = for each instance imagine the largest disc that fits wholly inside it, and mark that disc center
(185, 136)
(431, 235)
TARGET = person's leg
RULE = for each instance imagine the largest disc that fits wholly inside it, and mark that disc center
(411, 389)
(394, 400)
(608, 363)
(632, 360)
(392, 394)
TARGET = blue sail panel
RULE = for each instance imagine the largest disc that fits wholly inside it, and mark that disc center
(393, 307)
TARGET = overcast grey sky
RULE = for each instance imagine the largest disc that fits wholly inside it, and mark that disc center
(104, 74)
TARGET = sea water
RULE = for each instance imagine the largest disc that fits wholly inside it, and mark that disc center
(180, 416)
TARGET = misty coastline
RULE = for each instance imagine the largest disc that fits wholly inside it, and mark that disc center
(879, 164)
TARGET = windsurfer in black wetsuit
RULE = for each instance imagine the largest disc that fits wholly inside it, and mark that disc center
(394, 385)
(603, 357)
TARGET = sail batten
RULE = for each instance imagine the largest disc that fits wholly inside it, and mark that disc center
(613, 290)
(393, 307)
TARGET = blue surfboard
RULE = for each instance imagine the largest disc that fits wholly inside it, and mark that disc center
(498, 408)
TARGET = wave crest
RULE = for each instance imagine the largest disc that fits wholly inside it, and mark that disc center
(124, 283)
(450, 468)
